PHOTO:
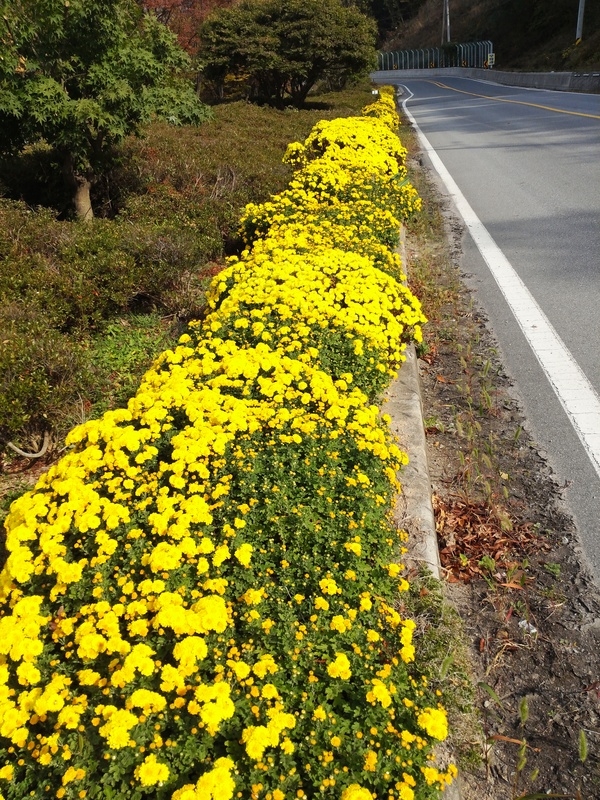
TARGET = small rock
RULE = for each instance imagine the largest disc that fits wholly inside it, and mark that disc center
(527, 626)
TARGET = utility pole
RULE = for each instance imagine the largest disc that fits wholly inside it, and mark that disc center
(446, 21)
(579, 32)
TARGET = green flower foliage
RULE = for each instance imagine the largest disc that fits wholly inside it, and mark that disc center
(202, 599)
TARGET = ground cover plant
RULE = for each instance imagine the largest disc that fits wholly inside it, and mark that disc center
(202, 598)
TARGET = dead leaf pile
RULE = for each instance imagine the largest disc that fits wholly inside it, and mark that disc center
(469, 531)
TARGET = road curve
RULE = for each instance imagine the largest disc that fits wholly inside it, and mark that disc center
(522, 167)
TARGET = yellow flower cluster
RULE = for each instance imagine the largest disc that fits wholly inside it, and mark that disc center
(314, 297)
(199, 597)
(435, 722)
(350, 169)
(384, 109)
(349, 143)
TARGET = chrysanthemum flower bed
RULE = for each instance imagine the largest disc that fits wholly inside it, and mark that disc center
(201, 599)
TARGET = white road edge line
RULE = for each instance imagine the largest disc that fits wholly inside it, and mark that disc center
(576, 394)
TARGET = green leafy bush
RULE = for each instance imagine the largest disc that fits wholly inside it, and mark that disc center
(76, 275)
(281, 49)
(40, 372)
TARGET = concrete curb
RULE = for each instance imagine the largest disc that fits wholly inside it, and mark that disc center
(413, 508)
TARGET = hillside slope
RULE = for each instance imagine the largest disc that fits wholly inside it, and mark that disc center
(537, 34)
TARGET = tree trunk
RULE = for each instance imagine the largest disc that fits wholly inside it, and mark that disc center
(81, 199)
(80, 186)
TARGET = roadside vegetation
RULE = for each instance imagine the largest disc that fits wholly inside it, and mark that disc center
(208, 582)
(81, 307)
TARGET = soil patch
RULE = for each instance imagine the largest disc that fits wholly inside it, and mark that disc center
(511, 559)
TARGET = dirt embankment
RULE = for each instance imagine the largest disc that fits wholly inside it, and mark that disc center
(510, 554)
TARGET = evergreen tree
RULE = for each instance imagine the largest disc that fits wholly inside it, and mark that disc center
(284, 47)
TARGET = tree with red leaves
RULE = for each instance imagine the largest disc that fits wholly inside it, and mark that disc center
(184, 17)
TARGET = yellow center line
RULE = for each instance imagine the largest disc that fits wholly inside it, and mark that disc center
(517, 102)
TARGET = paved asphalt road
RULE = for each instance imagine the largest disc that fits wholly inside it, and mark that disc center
(523, 167)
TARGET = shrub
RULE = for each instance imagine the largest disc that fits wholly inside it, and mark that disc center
(40, 372)
(276, 49)
(167, 233)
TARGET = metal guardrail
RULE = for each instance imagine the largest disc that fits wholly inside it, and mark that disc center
(471, 54)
